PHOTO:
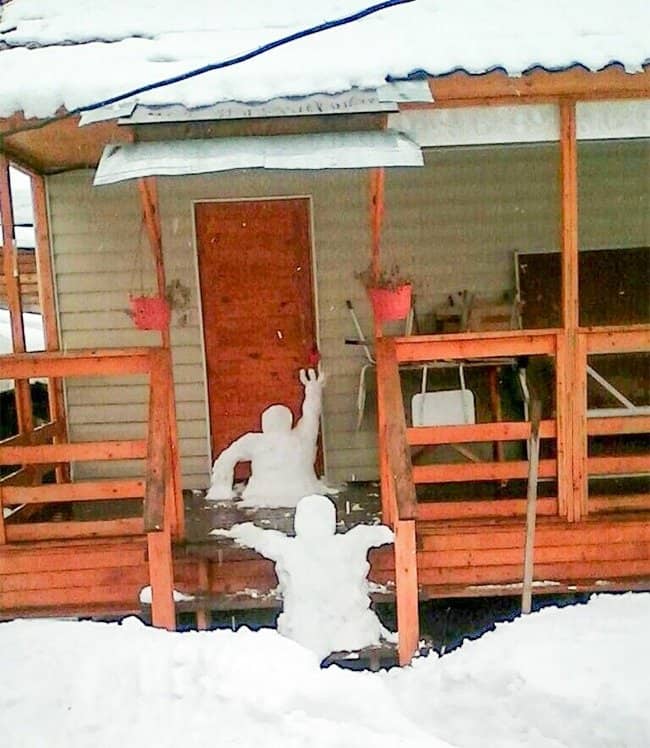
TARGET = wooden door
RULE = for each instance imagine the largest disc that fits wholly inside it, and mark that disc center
(258, 309)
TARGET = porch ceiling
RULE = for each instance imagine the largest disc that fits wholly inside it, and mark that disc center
(49, 146)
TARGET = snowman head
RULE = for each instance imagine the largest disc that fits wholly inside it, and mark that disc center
(315, 518)
(277, 419)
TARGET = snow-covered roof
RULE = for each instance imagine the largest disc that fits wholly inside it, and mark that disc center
(70, 53)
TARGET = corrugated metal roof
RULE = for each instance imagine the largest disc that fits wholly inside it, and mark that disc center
(82, 51)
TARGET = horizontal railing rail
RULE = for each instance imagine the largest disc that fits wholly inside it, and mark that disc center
(631, 420)
(23, 489)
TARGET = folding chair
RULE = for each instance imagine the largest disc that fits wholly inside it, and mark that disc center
(370, 362)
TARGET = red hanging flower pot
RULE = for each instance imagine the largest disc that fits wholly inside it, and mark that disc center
(390, 304)
(150, 312)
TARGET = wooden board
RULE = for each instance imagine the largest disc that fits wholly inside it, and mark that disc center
(613, 286)
(258, 309)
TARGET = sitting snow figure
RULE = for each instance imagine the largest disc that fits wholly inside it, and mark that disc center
(322, 577)
(282, 458)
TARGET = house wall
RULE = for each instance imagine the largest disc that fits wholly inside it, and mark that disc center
(452, 225)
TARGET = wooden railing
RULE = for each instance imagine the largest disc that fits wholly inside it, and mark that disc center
(155, 489)
(613, 340)
(475, 347)
(570, 426)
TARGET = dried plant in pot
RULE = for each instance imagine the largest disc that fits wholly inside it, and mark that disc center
(389, 292)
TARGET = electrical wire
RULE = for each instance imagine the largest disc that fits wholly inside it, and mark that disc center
(319, 28)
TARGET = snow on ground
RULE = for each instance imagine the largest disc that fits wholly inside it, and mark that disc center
(131, 43)
(575, 676)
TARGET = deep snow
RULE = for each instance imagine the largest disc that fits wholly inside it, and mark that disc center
(575, 676)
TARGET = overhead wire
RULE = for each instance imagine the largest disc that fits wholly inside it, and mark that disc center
(237, 60)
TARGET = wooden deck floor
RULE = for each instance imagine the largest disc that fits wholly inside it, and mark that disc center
(229, 577)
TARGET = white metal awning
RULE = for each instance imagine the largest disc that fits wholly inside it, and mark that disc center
(340, 150)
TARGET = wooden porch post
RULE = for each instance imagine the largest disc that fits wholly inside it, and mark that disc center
(150, 209)
(406, 590)
(45, 278)
(14, 300)
(377, 182)
(572, 437)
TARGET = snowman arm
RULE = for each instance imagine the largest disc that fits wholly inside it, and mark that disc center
(309, 422)
(371, 536)
(223, 469)
(266, 542)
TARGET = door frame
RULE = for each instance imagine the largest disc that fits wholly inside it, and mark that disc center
(199, 300)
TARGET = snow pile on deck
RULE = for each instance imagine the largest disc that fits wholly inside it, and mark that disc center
(573, 677)
(322, 577)
(154, 41)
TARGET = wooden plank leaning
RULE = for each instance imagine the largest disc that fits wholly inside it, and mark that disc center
(531, 507)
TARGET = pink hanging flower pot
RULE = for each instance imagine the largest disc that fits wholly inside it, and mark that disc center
(389, 292)
(150, 312)
(390, 304)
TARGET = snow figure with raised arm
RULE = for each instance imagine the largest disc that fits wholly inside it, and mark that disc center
(282, 458)
(322, 577)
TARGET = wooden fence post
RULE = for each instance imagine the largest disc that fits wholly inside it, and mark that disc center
(406, 590)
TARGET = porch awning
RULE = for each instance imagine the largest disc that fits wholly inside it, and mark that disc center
(340, 150)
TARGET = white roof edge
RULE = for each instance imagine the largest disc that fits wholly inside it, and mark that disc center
(355, 100)
(341, 150)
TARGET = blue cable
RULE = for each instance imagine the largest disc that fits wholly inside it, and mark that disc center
(244, 57)
(214, 66)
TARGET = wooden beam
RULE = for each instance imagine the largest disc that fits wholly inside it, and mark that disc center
(133, 449)
(39, 435)
(47, 302)
(501, 431)
(619, 465)
(148, 189)
(632, 424)
(568, 409)
(579, 426)
(34, 531)
(477, 471)
(632, 502)
(161, 578)
(481, 345)
(100, 362)
(496, 87)
(617, 339)
(14, 300)
(377, 182)
(157, 449)
(406, 590)
(98, 490)
(437, 511)
(393, 441)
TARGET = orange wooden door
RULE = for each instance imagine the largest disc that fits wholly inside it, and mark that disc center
(258, 309)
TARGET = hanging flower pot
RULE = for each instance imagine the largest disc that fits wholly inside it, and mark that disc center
(390, 304)
(389, 292)
(150, 312)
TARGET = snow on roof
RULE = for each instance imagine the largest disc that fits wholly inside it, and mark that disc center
(73, 52)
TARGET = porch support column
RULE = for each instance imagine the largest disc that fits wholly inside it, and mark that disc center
(46, 297)
(377, 181)
(14, 300)
(572, 439)
(150, 210)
